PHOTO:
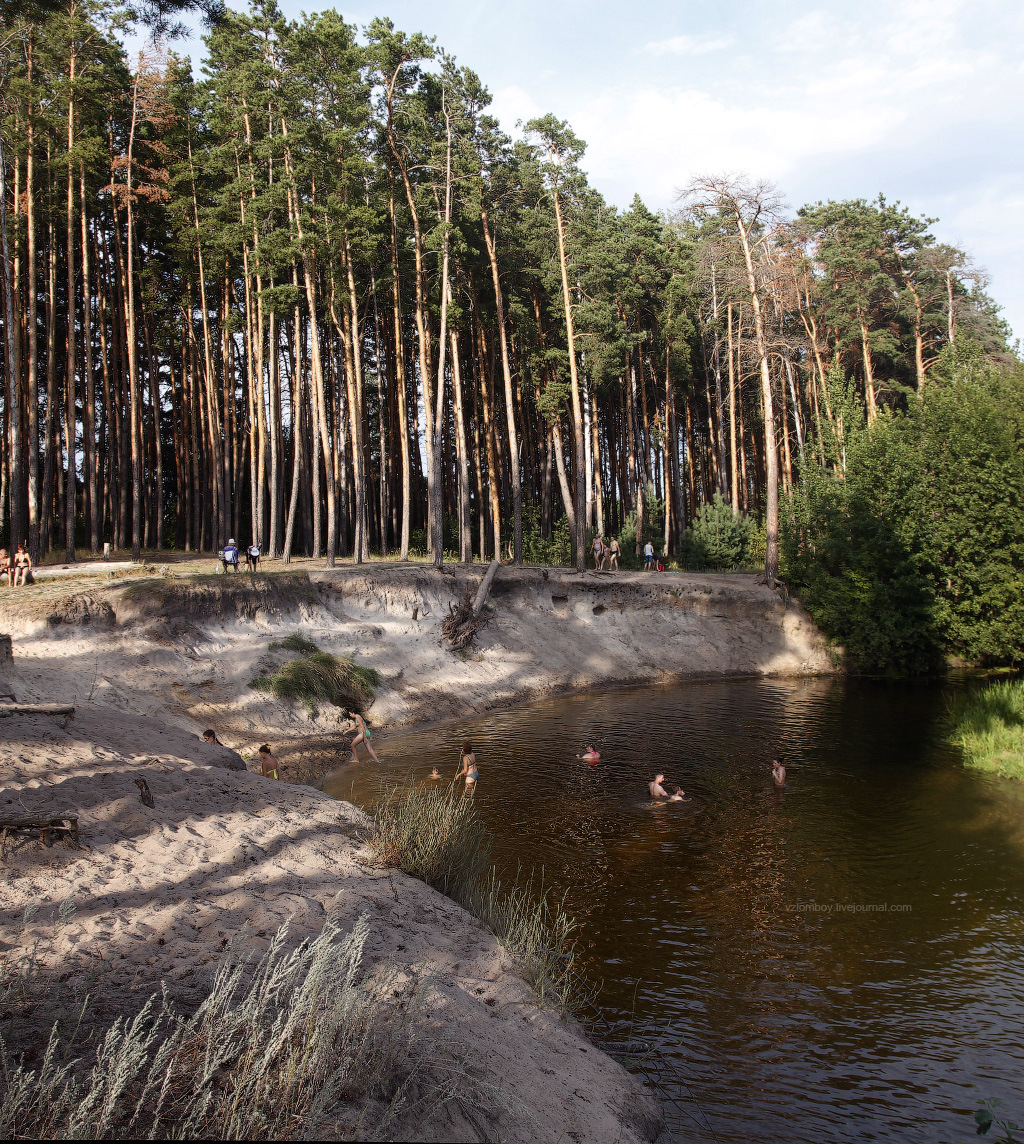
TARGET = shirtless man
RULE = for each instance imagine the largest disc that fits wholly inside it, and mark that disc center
(612, 553)
(469, 768)
(656, 789)
(599, 550)
(22, 565)
(362, 735)
(778, 772)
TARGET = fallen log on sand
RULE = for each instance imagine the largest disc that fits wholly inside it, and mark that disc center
(466, 617)
(7, 710)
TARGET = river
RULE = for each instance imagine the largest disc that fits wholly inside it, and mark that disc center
(839, 959)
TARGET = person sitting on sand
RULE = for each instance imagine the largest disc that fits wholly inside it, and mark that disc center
(22, 564)
(591, 755)
(612, 553)
(5, 566)
(229, 556)
(469, 768)
(678, 795)
(656, 789)
(210, 736)
(252, 557)
(435, 773)
(778, 772)
(362, 735)
(268, 763)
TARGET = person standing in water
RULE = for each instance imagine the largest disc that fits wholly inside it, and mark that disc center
(362, 735)
(469, 769)
(778, 772)
(656, 789)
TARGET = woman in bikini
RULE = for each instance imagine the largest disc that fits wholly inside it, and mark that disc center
(469, 769)
(363, 735)
(591, 756)
(270, 765)
(22, 566)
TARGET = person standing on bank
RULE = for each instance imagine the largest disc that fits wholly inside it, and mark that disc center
(648, 556)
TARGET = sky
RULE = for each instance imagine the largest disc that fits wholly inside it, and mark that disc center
(923, 101)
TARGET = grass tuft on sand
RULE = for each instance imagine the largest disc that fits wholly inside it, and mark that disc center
(437, 836)
(988, 726)
(319, 678)
(302, 1044)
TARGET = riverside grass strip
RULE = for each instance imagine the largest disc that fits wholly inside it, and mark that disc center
(988, 726)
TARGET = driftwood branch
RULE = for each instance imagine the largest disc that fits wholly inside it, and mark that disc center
(9, 709)
(65, 822)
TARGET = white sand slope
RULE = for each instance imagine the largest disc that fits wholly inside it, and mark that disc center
(160, 892)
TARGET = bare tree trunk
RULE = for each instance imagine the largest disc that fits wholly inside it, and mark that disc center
(579, 530)
(513, 439)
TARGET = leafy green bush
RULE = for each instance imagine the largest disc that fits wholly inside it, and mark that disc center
(319, 677)
(988, 726)
(717, 538)
(915, 550)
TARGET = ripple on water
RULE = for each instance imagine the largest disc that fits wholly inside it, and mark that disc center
(836, 960)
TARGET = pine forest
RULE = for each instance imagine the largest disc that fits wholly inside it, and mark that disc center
(315, 298)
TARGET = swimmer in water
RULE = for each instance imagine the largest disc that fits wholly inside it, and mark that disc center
(778, 772)
(679, 795)
(469, 769)
(591, 755)
(435, 773)
(656, 789)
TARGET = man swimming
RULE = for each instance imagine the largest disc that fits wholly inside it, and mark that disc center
(656, 789)
(778, 772)
(435, 773)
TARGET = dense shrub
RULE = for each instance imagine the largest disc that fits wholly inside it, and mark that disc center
(916, 550)
(717, 538)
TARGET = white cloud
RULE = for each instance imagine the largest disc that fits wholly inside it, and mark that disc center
(688, 45)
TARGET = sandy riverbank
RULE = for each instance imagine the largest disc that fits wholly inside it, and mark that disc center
(185, 649)
(149, 660)
(160, 892)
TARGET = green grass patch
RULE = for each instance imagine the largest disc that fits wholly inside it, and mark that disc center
(988, 726)
(318, 678)
(296, 642)
(437, 836)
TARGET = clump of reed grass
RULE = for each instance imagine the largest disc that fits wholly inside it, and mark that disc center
(437, 836)
(318, 677)
(301, 1045)
(296, 641)
(988, 726)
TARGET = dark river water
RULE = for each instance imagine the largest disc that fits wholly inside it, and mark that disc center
(839, 959)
